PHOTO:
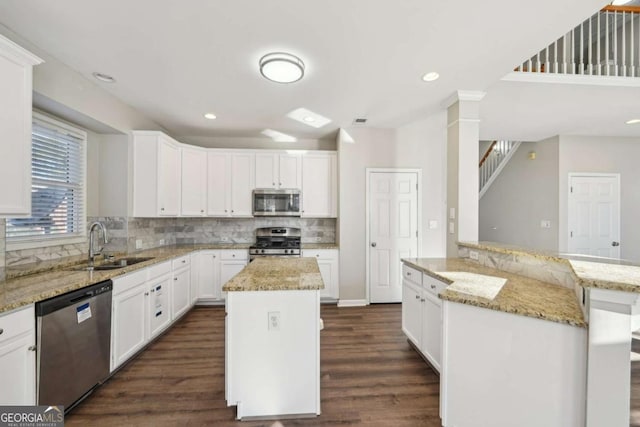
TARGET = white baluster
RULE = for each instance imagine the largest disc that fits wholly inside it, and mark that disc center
(573, 51)
(598, 44)
(615, 43)
(606, 43)
(555, 56)
(546, 60)
(624, 45)
(590, 68)
(581, 69)
(564, 54)
(632, 71)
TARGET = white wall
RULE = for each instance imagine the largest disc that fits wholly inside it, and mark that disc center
(418, 145)
(604, 155)
(525, 192)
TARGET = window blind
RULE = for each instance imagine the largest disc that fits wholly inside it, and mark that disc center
(57, 186)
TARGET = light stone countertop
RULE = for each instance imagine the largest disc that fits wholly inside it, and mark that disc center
(519, 295)
(320, 246)
(277, 274)
(589, 272)
(40, 281)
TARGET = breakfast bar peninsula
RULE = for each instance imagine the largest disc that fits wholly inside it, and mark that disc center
(272, 339)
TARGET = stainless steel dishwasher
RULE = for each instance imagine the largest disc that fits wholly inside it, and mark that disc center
(74, 344)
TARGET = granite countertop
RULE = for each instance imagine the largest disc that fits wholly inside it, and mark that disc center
(39, 281)
(320, 246)
(519, 295)
(277, 274)
(589, 271)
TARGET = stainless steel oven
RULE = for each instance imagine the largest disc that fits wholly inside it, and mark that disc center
(281, 242)
(271, 202)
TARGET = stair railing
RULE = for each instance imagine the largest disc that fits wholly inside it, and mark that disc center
(606, 44)
(494, 160)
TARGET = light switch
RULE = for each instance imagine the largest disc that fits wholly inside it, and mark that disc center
(433, 224)
(452, 227)
(545, 223)
(138, 243)
(452, 213)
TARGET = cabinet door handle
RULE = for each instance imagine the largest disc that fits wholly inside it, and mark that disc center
(1, 331)
(374, 244)
(161, 209)
(225, 211)
(201, 210)
(153, 290)
(184, 260)
(417, 296)
(214, 256)
(273, 183)
(422, 300)
(32, 348)
(280, 184)
(408, 273)
(232, 211)
(146, 294)
(433, 286)
(175, 278)
(233, 255)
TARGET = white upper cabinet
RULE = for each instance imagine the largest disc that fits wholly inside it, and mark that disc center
(320, 185)
(156, 175)
(16, 70)
(230, 180)
(194, 181)
(274, 170)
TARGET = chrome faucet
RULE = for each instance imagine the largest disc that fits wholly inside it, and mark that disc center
(92, 251)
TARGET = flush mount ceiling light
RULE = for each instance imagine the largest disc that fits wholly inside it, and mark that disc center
(633, 121)
(279, 136)
(308, 117)
(430, 76)
(104, 77)
(210, 116)
(281, 67)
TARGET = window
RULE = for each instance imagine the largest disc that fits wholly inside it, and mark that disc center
(57, 187)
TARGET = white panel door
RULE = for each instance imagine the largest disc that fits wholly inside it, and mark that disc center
(393, 231)
(218, 196)
(594, 215)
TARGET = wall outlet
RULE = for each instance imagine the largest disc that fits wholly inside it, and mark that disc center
(452, 227)
(138, 244)
(473, 255)
(161, 242)
(452, 213)
(224, 239)
(274, 320)
(545, 223)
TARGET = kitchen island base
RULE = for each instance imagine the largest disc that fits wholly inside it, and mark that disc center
(272, 359)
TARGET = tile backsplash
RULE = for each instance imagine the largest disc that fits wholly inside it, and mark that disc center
(124, 233)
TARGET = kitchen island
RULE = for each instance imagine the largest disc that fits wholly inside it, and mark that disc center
(272, 339)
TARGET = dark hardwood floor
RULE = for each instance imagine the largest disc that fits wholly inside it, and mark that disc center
(370, 376)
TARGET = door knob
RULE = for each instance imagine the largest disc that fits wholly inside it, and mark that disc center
(374, 244)
(615, 243)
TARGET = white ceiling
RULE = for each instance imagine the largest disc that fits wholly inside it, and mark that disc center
(175, 60)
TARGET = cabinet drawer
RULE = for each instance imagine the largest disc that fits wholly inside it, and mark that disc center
(328, 254)
(432, 285)
(122, 283)
(411, 274)
(181, 262)
(17, 322)
(158, 270)
(232, 254)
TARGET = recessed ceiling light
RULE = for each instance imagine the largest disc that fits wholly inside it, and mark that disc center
(281, 67)
(430, 76)
(279, 136)
(633, 121)
(104, 77)
(308, 117)
(210, 116)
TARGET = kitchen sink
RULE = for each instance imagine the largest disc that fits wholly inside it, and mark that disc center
(113, 265)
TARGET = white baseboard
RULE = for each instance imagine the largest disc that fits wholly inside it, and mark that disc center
(207, 301)
(352, 303)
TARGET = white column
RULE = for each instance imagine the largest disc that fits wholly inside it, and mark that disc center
(609, 358)
(463, 134)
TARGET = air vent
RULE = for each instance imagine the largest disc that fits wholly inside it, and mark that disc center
(359, 121)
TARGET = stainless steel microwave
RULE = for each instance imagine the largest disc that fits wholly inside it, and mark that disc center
(271, 202)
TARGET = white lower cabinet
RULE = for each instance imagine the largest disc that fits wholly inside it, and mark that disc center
(18, 357)
(145, 303)
(422, 313)
(215, 268)
(328, 263)
(181, 287)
